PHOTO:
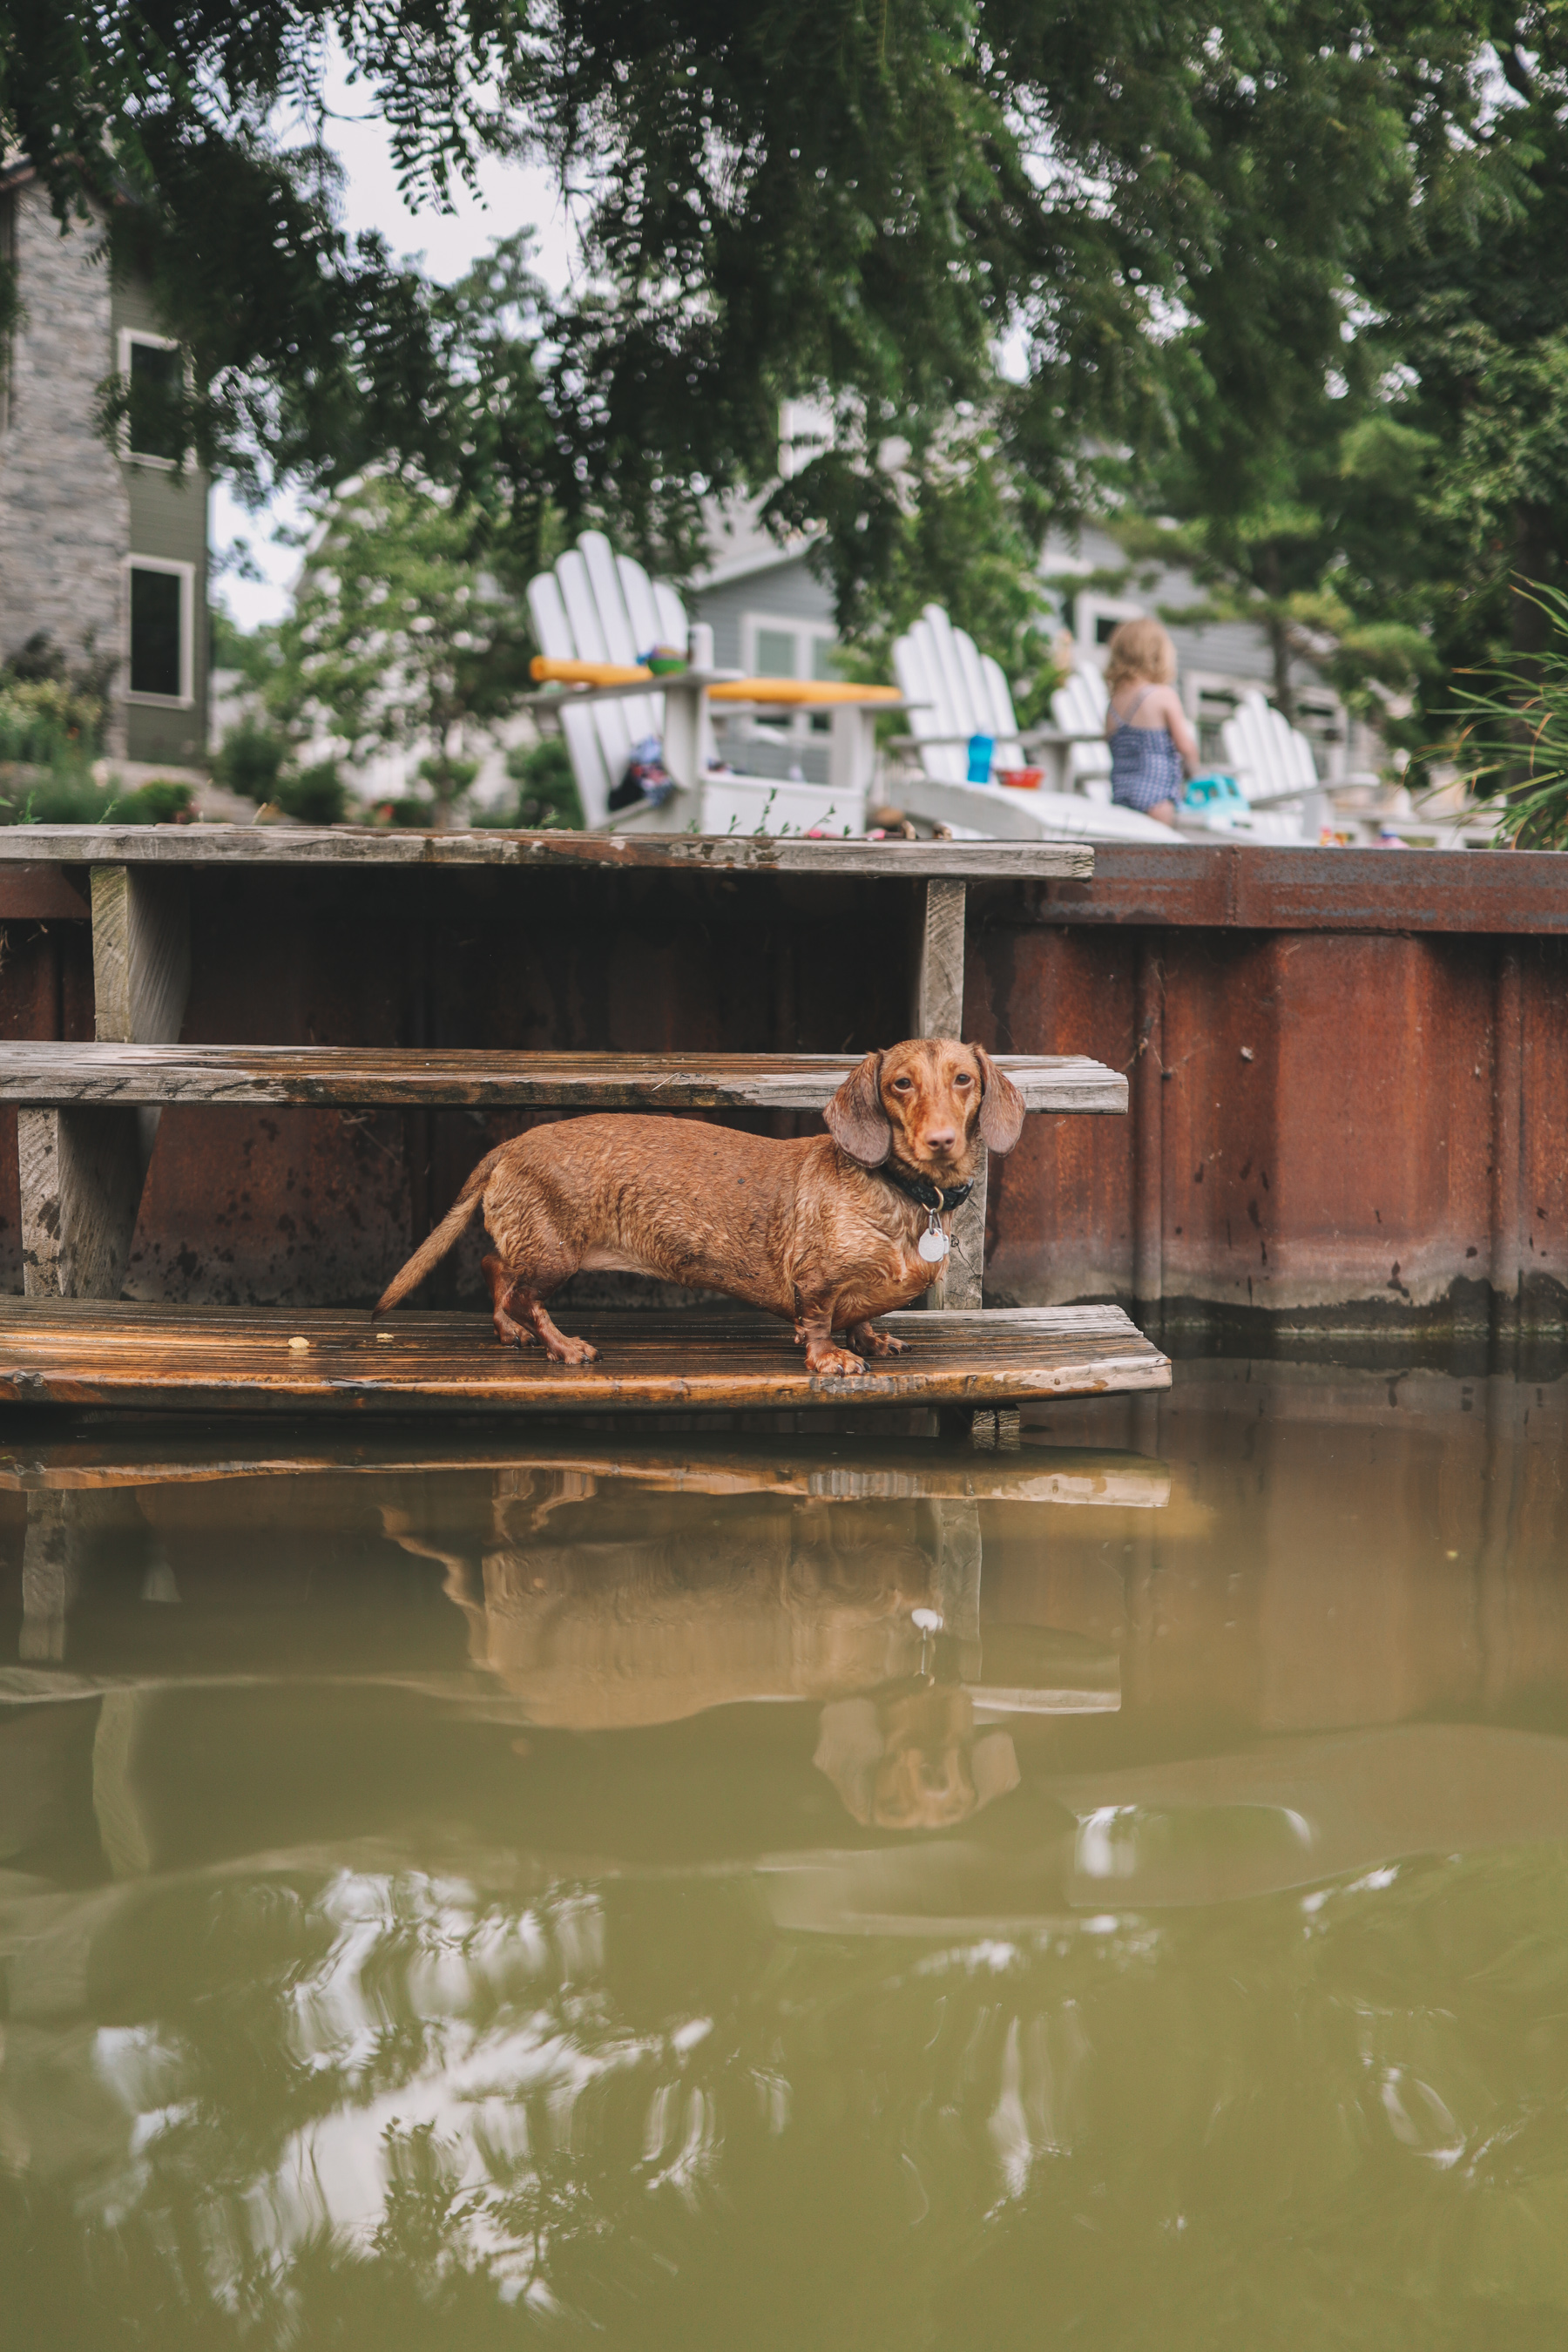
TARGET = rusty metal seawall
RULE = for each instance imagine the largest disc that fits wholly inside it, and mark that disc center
(1349, 1092)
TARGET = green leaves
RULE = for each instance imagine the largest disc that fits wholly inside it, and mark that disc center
(1512, 743)
(400, 638)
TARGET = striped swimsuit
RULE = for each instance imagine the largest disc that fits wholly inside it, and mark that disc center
(1145, 765)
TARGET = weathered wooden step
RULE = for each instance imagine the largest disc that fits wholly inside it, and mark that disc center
(343, 846)
(51, 1075)
(86, 1352)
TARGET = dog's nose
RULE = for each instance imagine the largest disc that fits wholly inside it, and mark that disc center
(941, 1139)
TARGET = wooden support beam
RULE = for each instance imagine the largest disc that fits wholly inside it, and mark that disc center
(81, 1171)
(937, 1011)
(141, 954)
(956, 1554)
(49, 1577)
(82, 1167)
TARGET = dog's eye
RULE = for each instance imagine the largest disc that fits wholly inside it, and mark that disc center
(902, 1085)
(963, 1079)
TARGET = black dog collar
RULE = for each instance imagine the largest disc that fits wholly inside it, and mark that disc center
(932, 1197)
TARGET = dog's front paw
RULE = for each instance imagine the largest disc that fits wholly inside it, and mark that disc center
(834, 1363)
(573, 1351)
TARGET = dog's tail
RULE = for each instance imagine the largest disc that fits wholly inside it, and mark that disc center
(434, 1248)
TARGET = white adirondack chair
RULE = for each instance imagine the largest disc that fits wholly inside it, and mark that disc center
(956, 691)
(599, 606)
(1079, 708)
(1272, 763)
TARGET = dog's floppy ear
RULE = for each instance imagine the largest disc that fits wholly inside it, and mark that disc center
(856, 1119)
(1001, 1105)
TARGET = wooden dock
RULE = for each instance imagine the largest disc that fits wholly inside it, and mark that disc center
(261, 1359)
(88, 1114)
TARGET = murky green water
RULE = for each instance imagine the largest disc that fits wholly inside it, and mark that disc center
(564, 1891)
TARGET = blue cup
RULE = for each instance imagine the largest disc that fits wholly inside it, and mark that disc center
(980, 749)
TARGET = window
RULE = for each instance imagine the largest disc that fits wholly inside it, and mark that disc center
(779, 648)
(776, 653)
(160, 596)
(154, 380)
(1097, 619)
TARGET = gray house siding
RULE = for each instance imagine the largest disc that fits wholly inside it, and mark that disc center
(65, 519)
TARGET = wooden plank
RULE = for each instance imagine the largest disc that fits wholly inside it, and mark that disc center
(835, 1470)
(141, 954)
(322, 1076)
(41, 1073)
(81, 1171)
(241, 845)
(76, 1352)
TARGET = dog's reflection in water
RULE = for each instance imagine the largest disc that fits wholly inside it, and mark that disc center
(913, 1759)
(714, 1607)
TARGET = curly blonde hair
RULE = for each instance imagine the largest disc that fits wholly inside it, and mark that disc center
(1139, 649)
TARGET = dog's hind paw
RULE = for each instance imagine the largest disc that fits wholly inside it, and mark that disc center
(872, 1342)
(573, 1351)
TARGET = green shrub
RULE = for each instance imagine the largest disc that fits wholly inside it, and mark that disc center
(45, 721)
(547, 800)
(66, 796)
(1512, 749)
(315, 795)
(413, 809)
(249, 760)
(161, 801)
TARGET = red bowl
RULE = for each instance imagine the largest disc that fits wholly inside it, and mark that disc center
(1022, 780)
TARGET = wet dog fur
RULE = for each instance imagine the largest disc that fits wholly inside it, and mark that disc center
(807, 1230)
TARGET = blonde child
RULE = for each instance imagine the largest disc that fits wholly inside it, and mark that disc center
(1153, 747)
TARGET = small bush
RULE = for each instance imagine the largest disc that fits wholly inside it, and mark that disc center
(413, 808)
(547, 800)
(315, 795)
(161, 801)
(63, 796)
(44, 720)
(250, 760)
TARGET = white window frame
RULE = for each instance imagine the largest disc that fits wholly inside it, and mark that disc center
(185, 698)
(145, 336)
(1088, 607)
(798, 724)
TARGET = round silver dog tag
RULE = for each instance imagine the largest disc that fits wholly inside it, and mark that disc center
(934, 1245)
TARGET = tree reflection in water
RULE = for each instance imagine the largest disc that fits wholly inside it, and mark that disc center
(397, 2092)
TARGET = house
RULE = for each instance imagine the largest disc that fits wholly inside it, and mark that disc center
(102, 550)
(772, 616)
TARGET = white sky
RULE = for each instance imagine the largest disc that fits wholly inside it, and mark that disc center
(511, 196)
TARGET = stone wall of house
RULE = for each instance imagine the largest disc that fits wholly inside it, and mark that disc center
(65, 524)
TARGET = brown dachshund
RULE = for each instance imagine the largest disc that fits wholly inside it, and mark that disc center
(826, 1232)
